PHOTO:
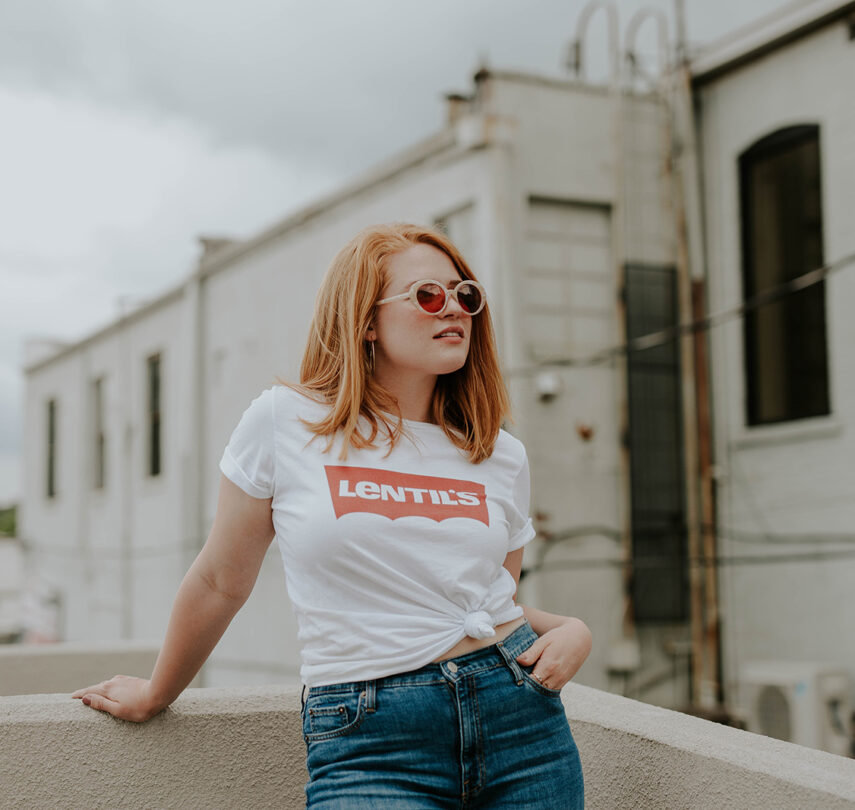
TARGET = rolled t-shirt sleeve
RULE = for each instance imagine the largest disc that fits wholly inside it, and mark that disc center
(521, 528)
(248, 460)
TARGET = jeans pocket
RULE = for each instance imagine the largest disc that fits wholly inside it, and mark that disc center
(330, 715)
(535, 684)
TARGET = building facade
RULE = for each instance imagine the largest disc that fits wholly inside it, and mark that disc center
(776, 119)
(562, 197)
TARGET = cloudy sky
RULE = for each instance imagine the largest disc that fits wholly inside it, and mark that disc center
(129, 128)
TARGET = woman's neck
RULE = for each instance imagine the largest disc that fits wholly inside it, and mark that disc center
(414, 394)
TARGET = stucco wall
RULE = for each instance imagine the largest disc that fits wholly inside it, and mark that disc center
(214, 749)
(31, 669)
(243, 747)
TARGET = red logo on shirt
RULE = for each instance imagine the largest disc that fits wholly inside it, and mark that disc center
(395, 494)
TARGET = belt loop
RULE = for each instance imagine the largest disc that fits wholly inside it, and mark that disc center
(370, 695)
(511, 662)
(303, 701)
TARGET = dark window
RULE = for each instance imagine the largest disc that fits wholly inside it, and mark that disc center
(99, 439)
(154, 420)
(657, 482)
(786, 363)
(51, 448)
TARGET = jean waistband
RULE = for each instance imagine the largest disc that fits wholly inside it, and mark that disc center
(502, 652)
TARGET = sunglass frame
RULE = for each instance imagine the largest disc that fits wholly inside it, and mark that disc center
(412, 295)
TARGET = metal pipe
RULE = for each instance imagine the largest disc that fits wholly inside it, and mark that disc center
(635, 22)
(613, 38)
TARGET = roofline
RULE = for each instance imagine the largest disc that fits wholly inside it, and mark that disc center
(443, 141)
(765, 34)
(422, 151)
(172, 294)
(409, 158)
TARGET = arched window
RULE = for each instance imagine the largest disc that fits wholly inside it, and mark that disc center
(786, 363)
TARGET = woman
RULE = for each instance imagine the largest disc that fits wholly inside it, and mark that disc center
(400, 508)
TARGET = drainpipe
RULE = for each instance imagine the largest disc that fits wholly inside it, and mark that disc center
(703, 579)
(127, 500)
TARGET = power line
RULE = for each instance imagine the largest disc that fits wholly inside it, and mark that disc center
(662, 563)
(672, 333)
(739, 535)
(773, 538)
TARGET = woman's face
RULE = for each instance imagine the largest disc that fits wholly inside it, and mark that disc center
(409, 341)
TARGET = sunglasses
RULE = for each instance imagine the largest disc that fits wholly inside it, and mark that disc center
(431, 297)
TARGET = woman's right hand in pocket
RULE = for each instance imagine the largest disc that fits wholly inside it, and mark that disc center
(123, 696)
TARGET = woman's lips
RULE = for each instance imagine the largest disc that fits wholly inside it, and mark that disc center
(450, 334)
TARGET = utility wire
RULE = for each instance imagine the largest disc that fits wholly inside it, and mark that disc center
(672, 333)
(772, 538)
(738, 535)
(663, 563)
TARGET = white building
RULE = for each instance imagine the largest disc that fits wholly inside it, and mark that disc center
(776, 117)
(560, 195)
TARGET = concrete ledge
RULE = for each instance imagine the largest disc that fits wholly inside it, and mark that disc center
(637, 755)
(30, 669)
(224, 748)
(214, 748)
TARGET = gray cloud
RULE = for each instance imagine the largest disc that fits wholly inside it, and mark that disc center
(340, 82)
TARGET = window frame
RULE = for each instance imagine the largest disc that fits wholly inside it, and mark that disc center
(51, 489)
(154, 410)
(792, 366)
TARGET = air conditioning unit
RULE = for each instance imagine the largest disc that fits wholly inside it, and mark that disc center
(803, 703)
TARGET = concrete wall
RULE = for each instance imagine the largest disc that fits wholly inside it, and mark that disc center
(213, 749)
(32, 669)
(795, 477)
(222, 748)
(114, 554)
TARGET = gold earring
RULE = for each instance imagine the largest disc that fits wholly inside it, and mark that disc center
(370, 356)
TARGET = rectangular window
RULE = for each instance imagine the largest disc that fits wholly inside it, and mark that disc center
(154, 419)
(786, 364)
(51, 448)
(98, 436)
(655, 437)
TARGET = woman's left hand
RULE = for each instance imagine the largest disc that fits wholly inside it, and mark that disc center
(558, 653)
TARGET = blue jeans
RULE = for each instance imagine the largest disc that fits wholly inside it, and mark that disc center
(472, 731)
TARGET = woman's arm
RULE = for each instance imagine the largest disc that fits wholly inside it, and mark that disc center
(213, 590)
(564, 641)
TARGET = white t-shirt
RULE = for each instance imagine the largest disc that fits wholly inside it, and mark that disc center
(390, 560)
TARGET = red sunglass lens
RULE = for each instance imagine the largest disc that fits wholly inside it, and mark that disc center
(431, 297)
(469, 297)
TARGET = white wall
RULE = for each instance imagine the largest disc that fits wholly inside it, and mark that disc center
(112, 554)
(795, 477)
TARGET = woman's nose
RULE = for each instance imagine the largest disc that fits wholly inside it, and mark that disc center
(452, 305)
